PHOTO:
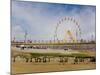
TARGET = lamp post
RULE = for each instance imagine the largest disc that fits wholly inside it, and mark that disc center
(25, 36)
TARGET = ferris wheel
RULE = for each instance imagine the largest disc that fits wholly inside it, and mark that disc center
(67, 30)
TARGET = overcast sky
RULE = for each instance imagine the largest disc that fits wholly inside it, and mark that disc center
(39, 20)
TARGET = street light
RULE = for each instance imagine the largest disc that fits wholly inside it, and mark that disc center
(25, 36)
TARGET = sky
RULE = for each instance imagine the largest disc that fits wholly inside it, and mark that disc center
(40, 19)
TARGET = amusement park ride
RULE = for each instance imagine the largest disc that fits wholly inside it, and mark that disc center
(71, 29)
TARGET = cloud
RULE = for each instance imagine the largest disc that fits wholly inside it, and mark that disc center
(40, 19)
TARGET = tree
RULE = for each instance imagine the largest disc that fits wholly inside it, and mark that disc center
(81, 41)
